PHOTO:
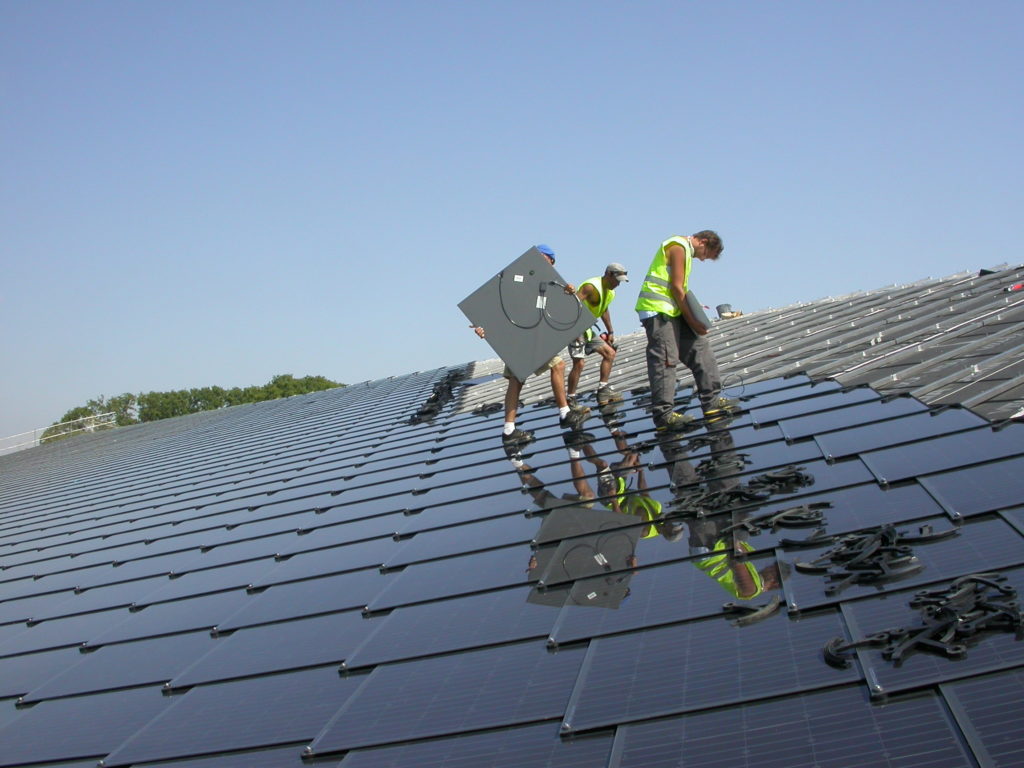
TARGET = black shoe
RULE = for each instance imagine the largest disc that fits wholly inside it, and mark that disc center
(574, 419)
(516, 438)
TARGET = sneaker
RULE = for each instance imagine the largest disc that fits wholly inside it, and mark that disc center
(572, 402)
(607, 395)
(574, 419)
(675, 422)
(516, 437)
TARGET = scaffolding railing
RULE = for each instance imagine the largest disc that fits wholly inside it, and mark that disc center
(57, 431)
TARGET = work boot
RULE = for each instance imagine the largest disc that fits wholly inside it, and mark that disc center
(577, 440)
(516, 438)
(606, 395)
(574, 419)
(720, 407)
(674, 422)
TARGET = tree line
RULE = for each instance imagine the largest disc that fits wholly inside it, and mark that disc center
(153, 406)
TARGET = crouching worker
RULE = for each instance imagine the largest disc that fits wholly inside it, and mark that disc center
(597, 294)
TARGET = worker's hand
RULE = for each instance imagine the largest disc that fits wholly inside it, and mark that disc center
(610, 339)
(478, 330)
(570, 289)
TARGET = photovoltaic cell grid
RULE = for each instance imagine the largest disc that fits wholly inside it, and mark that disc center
(271, 523)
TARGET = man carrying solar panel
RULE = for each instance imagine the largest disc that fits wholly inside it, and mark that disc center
(568, 417)
(676, 335)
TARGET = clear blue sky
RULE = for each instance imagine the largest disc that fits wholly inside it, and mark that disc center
(199, 193)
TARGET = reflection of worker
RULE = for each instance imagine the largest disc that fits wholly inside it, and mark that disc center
(596, 295)
(674, 335)
(568, 418)
(718, 559)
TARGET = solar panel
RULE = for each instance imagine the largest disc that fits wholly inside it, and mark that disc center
(329, 594)
(178, 616)
(506, 748)
(662, 594)
(945, 452)
(508, 684)
(20, 674)
(980, 546)
(485, 534)
(82, 726)
(275, 757)
(848, 417)
(860, 438)
(990, 652)
(978, 489)
(263, 711)
(144, 662)
(700, 664)
(277, 647)
(454, 576)
(825, 728)
(449, 625)
(525, 313)
(57, 633)
(989, 710)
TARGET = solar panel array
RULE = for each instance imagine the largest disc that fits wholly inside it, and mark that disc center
(330, 579)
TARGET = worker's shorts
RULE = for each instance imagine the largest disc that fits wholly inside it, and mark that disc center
(578, 348)
(552, 363)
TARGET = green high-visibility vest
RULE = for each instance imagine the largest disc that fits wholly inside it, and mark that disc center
(604, 297)
(718, 567)
(655, 295)
(645, 508)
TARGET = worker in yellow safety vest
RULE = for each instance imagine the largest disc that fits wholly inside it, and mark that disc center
(675, 335)
(597, 294)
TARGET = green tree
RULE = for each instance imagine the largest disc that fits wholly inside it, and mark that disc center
(153, 406)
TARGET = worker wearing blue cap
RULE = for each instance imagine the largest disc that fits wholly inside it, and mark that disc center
(568, 418)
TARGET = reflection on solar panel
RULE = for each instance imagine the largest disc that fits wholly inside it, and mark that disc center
(363, 577)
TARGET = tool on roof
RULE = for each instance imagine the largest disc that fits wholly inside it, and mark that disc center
(874, 556)
(952, 619)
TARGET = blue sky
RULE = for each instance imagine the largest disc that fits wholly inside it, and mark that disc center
(199, 193)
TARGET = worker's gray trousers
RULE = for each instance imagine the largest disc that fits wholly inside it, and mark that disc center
(670, 341)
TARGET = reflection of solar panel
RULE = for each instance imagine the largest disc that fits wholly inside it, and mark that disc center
(526, 314)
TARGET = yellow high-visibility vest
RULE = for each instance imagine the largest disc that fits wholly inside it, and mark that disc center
(655, 295)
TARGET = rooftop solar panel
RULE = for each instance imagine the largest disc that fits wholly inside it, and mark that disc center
(506, 748)
(276, 647)
(658, 566)
(697, 665)
(986, 652)
(989, 710)
(79, 727)
(804, 731)
(144, 662)
(262, 711)
(508, 684)
(461, 623)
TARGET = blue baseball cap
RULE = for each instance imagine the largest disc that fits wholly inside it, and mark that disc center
(546, 250)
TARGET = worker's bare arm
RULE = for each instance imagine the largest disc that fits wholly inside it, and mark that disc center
(676, 258)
